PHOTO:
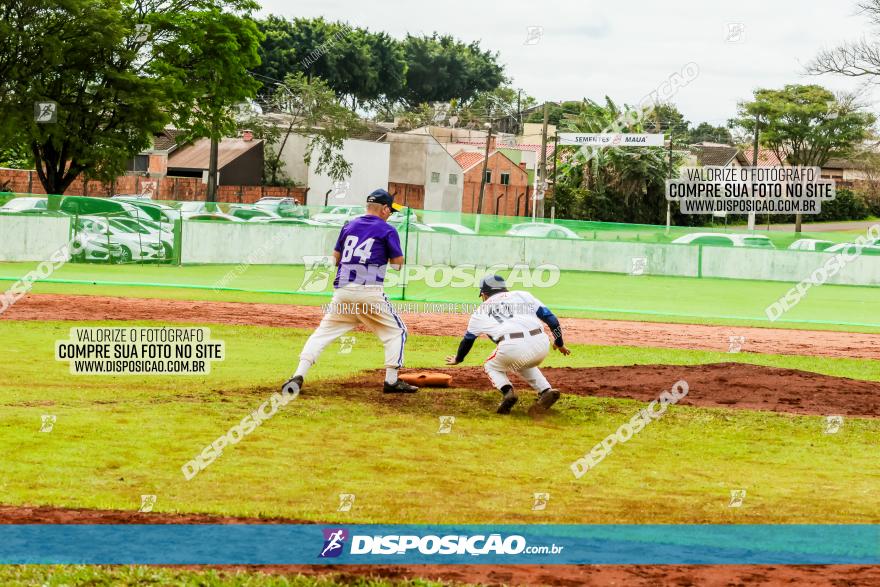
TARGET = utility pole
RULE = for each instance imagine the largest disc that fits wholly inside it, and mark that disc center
(755, 164)
(483, 177)
(518, 112)
(668, 203)
(539, 204)
(212, 170)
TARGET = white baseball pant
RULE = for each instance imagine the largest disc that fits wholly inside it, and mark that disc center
(355, 304)
(521, 355)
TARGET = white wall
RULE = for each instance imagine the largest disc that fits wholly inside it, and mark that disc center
(32, 238)
(369, 171)
(442, 195)
(292, 158)
(234, 243)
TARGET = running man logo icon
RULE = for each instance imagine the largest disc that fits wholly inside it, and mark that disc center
(47, 422)
(148, 189)
(334, 539)
(735, 32)
(346, 500)
(147, 503)
(345, 344)
(540, 502)
(735, 344)
(534, 34)
(737, 496)
(446, 423)
(45, 112)
(341, 189)
(639, 265)
(319, 268)
(833, 424)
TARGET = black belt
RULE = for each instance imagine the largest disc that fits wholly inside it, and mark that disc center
(513, 335)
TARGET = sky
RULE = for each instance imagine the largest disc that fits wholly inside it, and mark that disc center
(626, 48)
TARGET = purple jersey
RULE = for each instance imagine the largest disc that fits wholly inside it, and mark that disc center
(365, 245)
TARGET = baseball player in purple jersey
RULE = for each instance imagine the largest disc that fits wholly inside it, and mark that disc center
(365, 248)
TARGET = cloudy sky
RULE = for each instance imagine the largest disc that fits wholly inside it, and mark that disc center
(625, 48)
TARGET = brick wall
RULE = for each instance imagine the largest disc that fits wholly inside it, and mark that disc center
(408, 194)
(165, 188)
(497, 198)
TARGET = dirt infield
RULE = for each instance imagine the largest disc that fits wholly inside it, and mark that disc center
(729, 385)
(625, 575)
(52, 515)
(577, 330)
(555, 575)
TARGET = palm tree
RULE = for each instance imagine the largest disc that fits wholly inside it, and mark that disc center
(614, 184)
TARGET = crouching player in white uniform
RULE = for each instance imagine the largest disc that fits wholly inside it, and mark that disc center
(363, 251)
(513, 320)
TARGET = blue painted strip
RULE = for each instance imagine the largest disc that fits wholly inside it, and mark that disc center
(171, 544)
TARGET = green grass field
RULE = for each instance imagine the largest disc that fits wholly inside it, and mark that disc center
(100, 576)
(594, 295)
(117, 438)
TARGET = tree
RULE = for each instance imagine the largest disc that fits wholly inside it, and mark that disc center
(503, 102)
(805, 125)
(855, 58)
(105, 110)
(359, 65)
(440, 68)
(616, 184)
(312, 110)
(365, 67)
(98, 61)
(207, 63)
(707, 133)
(557, 112)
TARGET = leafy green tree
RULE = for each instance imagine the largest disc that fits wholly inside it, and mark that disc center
(705, 132)
(100, 62)
(359, 65)
(614, 184)
(207, 67)
(805, 124)
(312, 110)
(440, 68)
(557, 112)
(105, 110)
(505, 101)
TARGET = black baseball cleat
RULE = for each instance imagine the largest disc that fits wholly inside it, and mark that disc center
(546, 399)
(293, 385)
(510, 399)
(400, 386)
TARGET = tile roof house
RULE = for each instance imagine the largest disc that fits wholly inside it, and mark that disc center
(766, 157)
(507, 188)
(240, 161)
(527, 153)
(715, 155)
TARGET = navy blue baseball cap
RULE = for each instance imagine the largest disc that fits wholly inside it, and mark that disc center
(492, 284)
(381, 196)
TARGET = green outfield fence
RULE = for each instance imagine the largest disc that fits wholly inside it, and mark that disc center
(150, 243)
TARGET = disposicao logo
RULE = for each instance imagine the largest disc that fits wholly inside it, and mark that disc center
(334, 539)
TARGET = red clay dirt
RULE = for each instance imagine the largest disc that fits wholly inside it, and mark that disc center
(577, 330)
(556, 575)
(603, 575)
(728, 385)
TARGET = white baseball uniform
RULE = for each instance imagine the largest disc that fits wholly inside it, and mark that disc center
(510, 320)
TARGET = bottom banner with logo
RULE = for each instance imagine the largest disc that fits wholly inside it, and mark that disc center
(179, 544)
